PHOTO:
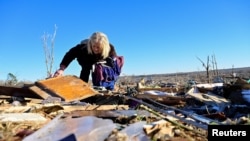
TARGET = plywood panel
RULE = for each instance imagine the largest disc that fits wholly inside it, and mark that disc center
(69, 88)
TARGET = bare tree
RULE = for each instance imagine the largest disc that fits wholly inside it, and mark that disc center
(206, 67)
(216, 66)
(49, 50)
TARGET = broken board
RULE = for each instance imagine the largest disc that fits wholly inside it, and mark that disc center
(68, 88)
(17, 92)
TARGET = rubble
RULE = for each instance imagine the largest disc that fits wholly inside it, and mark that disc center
(67, 108)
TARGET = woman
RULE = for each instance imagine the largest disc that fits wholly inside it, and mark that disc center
(95, 49)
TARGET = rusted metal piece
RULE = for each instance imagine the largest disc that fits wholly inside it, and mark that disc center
(69, 88)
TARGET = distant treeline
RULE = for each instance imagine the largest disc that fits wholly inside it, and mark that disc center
(241, 71)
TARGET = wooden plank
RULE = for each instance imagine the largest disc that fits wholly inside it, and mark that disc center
(17, 91)
(166, 89)
(112, 113)
(209, 99)
(69, 88)
(22, 117)
(95, 107)
(39, 92)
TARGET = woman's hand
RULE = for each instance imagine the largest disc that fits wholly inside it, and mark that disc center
(60, 71)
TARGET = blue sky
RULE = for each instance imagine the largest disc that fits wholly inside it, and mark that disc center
(154, 36)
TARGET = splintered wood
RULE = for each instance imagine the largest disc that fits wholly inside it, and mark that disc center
(69, 88)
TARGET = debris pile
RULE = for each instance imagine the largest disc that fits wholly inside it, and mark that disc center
(66, 108)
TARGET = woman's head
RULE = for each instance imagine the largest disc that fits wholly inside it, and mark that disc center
(99, 44)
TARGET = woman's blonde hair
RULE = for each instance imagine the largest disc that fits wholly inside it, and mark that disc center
(102, 39)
